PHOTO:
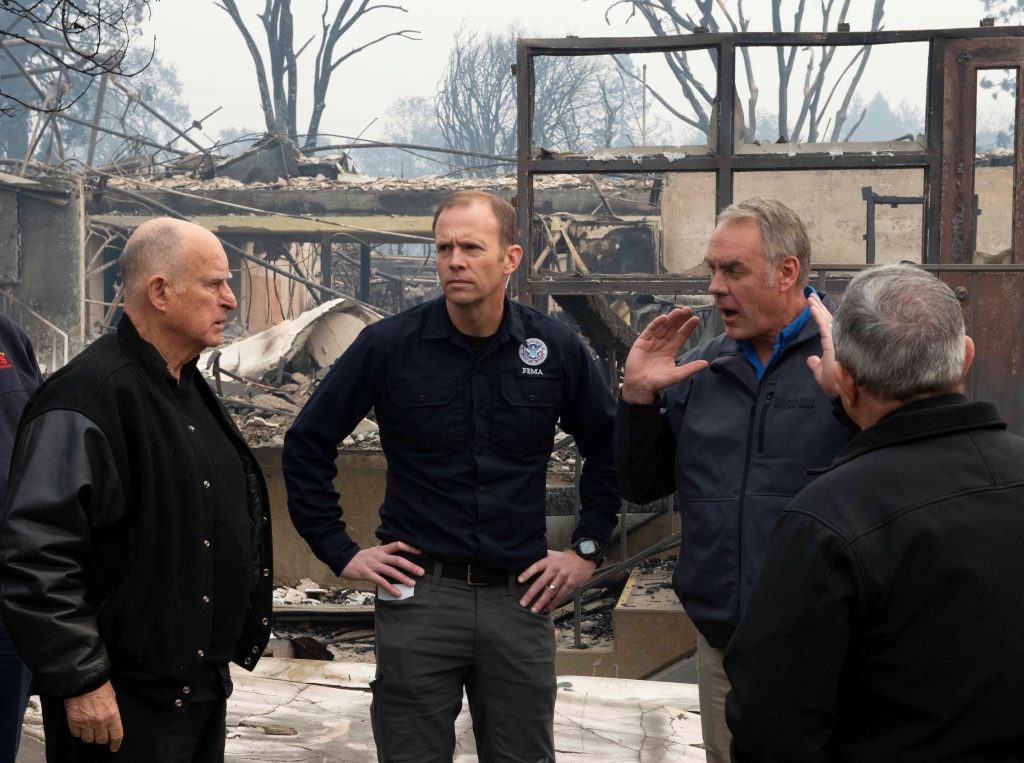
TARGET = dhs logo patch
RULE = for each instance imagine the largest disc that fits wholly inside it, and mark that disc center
(534, 352)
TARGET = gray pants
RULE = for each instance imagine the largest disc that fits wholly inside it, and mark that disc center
(449, 636)
(712, 687)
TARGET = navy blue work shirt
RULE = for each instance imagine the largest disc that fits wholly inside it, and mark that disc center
(467, 439)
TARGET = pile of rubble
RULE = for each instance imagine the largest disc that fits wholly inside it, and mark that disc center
(351, 181)
(319, 638)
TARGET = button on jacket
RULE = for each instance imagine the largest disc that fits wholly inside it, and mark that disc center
(467, 438)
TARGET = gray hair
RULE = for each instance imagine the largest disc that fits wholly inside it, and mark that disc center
(156, 246)
(782, 232)
(900, 333)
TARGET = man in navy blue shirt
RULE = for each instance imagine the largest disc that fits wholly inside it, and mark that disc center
(467, 390)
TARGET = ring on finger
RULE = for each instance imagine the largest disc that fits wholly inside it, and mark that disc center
(552, 587)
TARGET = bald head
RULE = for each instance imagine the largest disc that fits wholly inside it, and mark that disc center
(160, 247)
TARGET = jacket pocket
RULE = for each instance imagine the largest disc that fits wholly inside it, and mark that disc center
(709, 562)
(425, 414)
(525, 415)
(118, 586)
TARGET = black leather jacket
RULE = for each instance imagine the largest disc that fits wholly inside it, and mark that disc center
(105, 564)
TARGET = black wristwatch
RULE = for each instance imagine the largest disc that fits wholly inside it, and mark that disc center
(589, 549)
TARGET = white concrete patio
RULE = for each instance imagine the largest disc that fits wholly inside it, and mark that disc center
(319, 712)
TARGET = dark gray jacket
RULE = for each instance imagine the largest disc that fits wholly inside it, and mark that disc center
(736, 450)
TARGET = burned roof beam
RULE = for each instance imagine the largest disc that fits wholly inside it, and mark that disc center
(241, 252)
(411, 146)
(586, 46)
(607, 332)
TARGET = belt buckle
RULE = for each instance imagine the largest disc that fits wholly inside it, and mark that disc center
(469, 576)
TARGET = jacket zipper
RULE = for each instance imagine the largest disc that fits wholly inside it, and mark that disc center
(764, 419)
(746, 471)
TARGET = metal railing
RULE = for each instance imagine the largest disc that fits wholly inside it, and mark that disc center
(46, 337)
(611, 571)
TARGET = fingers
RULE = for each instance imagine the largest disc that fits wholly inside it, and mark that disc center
(391, 560)
(693, 367)
(99, 731)
(684, 331)
(399, 545)
(557, 575)
(116, 734)
(93, 717)
(543, 589)
(543, 594)
(382, 566)
(679, 317)
(82, 731)
(821, 316)
(387, 585)
(666, 327)
(108, 732)
(387, 576)
(533, 569)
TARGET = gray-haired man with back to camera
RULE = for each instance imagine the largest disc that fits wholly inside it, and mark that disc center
(887, 621)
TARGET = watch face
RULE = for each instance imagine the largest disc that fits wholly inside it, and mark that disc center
(587, 547)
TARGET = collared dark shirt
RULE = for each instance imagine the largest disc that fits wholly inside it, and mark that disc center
(467, 438)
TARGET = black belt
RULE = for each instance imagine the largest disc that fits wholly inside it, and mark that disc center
(471, 574)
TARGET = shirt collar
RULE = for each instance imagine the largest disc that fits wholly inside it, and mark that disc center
(439, 323)
(149, 357)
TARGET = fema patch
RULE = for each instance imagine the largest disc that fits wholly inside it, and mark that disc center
(534, 352)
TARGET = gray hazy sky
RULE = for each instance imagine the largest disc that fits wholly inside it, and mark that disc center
(215, 68)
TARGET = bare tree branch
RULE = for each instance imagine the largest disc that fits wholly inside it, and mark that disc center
(876, 23)
(667, 17)
(77, 41)
(279, 94)
(269, 117)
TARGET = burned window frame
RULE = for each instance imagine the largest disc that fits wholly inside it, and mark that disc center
(954, 55)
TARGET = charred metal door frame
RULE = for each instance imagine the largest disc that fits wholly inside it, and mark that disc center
(992, 295)
(724, 160)
(962, 60)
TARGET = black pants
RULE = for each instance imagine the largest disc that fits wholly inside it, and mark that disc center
(14, 680)
(153, 733)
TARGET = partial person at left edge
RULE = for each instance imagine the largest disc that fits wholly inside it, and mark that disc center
(135, 553)
(19, 377)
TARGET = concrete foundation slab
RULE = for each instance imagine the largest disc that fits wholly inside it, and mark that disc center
(301, 710)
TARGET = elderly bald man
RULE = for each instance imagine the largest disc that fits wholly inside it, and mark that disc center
(135, 551)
